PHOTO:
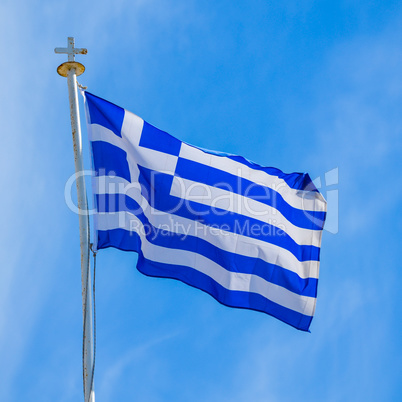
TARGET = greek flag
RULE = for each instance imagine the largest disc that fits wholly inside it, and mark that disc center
(248, 235)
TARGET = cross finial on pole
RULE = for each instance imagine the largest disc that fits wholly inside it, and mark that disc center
(71, 64)
(70, 50)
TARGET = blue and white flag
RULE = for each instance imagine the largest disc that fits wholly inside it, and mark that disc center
(248, 235)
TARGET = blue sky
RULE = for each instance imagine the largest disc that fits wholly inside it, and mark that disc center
(302, 86)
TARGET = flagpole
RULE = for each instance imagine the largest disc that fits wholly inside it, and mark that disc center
(71, 69)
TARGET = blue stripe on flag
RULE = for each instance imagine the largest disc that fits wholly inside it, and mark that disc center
(192, 277)
(230, 298)
(297, 181)
(104, 113)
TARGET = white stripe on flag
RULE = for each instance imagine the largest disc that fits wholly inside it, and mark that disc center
(228, 241)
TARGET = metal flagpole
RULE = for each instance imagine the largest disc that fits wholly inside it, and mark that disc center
(71, 69)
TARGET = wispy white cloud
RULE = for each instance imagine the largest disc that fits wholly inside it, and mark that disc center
(108, 384)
